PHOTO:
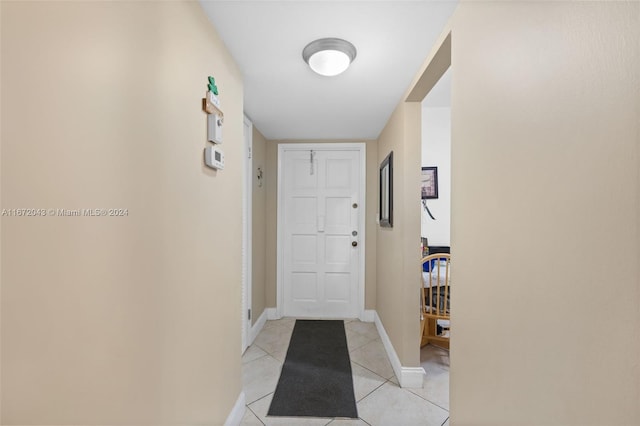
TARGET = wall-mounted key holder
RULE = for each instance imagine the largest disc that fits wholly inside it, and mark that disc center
(214, 127)
(215, 117)
(211, 104)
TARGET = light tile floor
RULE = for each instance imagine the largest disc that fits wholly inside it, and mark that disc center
(380, 401)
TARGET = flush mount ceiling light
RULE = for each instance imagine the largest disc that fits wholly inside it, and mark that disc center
(329, 56)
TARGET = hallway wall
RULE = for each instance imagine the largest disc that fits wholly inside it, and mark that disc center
(398, 249)
(118, 320)
(259, 232)
(546, 189)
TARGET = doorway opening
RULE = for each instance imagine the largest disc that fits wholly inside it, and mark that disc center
(435, 229)
(436, 233)
(433, 90)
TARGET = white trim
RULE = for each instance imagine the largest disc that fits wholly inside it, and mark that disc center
(279, 243)
(257, 327)
(361, 147)
(237, 412)
(247, 196)
(412, 377)
(391, 352)
(272, 314)
(409, 377)
(368, 315)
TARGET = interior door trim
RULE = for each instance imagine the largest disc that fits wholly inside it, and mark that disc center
(361, 147)
(247, 232)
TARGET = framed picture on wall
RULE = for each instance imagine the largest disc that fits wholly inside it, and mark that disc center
(386, 191)
(429, 183)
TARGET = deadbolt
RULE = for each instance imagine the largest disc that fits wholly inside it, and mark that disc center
(354, 205)
(354, 243)
(354, 233)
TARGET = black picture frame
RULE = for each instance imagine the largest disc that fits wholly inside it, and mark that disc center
(429, 183)
(386, 192)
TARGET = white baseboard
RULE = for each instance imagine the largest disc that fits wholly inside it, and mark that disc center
(237, 412)
(257, 327)
(409, 377)
(412, 377)
(272, 313)
(391, 352)
(368, 315)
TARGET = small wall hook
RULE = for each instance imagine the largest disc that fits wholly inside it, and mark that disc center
(259, 176)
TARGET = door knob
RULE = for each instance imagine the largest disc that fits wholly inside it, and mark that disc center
(354, 243)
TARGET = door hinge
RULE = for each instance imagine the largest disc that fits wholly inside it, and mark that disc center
(248, 313)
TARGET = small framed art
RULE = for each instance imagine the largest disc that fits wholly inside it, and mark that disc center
(386, 191)
(429, 183)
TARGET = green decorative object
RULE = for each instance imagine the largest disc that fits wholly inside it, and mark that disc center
(212, 86)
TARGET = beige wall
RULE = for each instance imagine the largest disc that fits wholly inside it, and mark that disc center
(546, 159)
(259, 231)
(271, 175)
(271, 235)
(398, 247)
(118, 320)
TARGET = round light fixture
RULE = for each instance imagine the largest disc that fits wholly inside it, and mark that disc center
(329, 56)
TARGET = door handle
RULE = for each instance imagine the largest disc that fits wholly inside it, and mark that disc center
(354, 243)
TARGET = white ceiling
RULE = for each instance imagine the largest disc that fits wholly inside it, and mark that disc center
(286, 100)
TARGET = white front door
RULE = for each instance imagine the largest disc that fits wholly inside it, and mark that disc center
(321, 215)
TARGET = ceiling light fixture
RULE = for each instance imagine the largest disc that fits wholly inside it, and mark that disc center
(329, 56)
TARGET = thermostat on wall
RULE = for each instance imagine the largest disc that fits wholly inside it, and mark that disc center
(214, 157)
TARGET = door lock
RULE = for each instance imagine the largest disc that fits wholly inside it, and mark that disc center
(354, 233)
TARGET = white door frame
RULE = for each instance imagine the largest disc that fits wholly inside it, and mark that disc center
(362, 149)
(247, 231)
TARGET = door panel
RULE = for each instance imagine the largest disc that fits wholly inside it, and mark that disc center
(320, 264)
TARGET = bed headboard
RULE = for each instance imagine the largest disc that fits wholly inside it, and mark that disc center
(439, 249)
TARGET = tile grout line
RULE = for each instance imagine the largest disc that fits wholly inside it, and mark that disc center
(378, 387)
(366, 422)
(430, 402)
(256, 416)
(255, 359)
(364, 344)
(254, 413)
(382, 377)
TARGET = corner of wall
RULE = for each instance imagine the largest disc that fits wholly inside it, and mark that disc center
(409, 377)
(237, 412)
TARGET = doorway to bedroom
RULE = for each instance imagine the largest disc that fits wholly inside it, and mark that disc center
(435, 232)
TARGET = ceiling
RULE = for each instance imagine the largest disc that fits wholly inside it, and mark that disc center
(286, 100)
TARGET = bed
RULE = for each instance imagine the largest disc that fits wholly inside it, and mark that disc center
(435, 306)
